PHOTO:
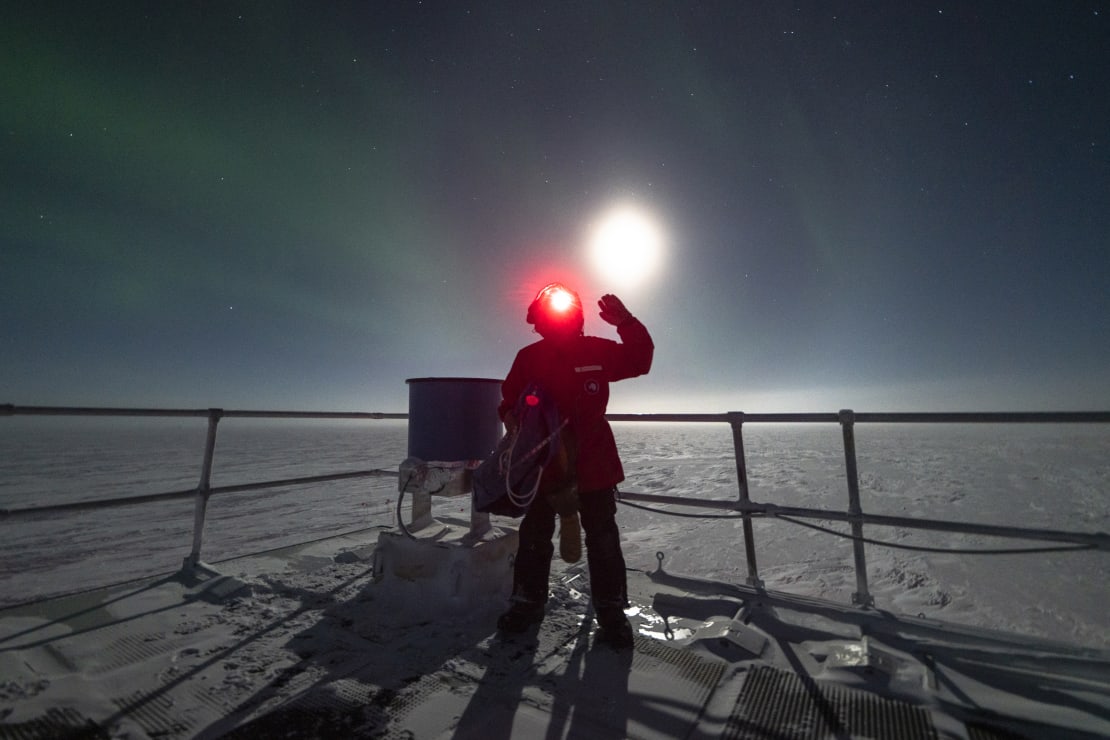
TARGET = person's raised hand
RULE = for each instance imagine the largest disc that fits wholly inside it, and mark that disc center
(612, 310)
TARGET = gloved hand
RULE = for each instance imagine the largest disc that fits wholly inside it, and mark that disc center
(612, 310)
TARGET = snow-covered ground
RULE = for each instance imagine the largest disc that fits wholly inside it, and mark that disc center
(307, 641)
(1052, 477)
(1048, 476)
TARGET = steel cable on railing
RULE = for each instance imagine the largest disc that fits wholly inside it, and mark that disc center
(869, 540)
(925, 548)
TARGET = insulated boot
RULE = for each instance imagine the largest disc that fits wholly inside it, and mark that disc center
(520, 616)
(570, 538)
(616, 632)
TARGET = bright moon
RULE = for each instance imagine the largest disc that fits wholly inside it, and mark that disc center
(626, 247)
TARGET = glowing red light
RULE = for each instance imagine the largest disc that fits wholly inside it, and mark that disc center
(532, 400)
(560, 299)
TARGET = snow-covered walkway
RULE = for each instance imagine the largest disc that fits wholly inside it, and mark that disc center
(301, 643)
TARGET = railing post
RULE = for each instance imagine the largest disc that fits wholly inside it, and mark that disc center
(736, 421)
(862, 596)
(204, 490)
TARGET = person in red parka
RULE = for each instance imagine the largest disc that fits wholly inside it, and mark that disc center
(576, 371)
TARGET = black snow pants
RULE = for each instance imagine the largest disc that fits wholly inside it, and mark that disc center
(532, 569)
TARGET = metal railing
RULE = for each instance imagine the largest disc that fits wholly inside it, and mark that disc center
(203, 490)
(743, 505)
(854, 514)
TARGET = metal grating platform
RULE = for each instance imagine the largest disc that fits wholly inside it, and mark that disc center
(782, 705)
(56, 724)
(979, 731)
(702, 672)
(345, 708)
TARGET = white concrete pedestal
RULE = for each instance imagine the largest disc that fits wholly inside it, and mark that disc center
(445, 568)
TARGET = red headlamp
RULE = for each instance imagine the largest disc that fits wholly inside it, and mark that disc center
(555, 301)
(558, 298)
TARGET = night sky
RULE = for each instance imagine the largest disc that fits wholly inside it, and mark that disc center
(870, 205)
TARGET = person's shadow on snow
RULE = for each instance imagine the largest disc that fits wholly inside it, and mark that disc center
(601, 707)
(492, 710)
(589, 691)
(356, 666)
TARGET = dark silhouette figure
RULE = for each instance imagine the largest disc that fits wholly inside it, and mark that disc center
(576, 371)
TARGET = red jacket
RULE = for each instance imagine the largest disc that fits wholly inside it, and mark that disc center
(577, 373)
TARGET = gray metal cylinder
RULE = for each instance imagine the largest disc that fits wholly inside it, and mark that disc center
(453, 419)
